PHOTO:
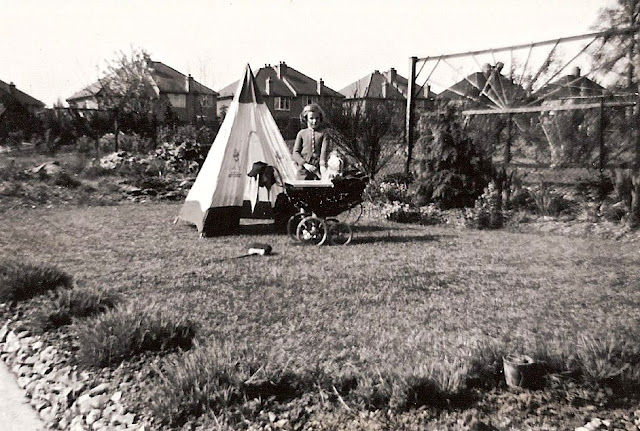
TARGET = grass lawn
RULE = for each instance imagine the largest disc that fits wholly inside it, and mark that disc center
(398, 299)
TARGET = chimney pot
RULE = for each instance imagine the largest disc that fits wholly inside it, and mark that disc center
(282, 69)
(575, 71)
(320, 85)
(12, 88)
(392, 74)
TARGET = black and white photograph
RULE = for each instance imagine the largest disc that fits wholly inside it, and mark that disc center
(335, 215)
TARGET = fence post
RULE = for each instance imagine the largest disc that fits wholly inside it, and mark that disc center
(410, 114)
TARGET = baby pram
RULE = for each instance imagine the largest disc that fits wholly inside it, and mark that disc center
(325, 209)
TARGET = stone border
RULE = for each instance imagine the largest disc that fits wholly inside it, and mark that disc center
(59, 393)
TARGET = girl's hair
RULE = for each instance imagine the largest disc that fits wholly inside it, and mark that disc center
(312, 107)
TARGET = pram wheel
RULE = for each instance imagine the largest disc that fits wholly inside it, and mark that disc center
(292, 224)
(352, 215)
(339, 233)
(312, 230)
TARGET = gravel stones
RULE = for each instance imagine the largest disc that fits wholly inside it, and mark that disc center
(64, 398)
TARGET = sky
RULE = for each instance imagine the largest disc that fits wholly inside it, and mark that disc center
(53, 48)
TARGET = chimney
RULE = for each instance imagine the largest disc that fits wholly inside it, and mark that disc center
(282, 69)
(320, 87)
(190, 86)
(268, 86)
(385, 84)
(575, 72)
(12, 88)
(392, 75)
(486, 69)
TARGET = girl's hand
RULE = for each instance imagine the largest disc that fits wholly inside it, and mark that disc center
(310, 167)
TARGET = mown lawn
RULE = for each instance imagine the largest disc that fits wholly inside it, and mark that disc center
(399, 298)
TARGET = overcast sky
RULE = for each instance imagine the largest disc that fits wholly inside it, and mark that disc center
(53, 48)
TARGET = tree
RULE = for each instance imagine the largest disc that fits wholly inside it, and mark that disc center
(622, 56)
(451, 170)
(128, 89)
(369, 132)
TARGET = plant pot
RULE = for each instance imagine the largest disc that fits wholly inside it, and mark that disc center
(521, 371)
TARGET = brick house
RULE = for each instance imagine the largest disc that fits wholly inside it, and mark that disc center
(285, 91)
(18, 111)
(388, 87)
(188, 100)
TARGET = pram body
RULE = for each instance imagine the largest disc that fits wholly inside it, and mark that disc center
(325, 209)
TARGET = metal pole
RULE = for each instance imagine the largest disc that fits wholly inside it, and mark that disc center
(410, 115)
(601, 160)
(507, 145)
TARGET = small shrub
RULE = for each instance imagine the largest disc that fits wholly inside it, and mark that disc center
(606, 361)
(85, 145)
(522, 200)
(95, 170)
(485, 366)
(122, 334)
(77, 303)
(193, 384)
(487, 212)
(373, 392)
(548, 202)
(432, 215)
(63, 179)
(595, 189)
(441, 384)
(22, 281)
(401, 213)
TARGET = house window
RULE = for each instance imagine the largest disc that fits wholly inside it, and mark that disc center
(178, 100)
(282, 103)
(308, 100)
(206, 101)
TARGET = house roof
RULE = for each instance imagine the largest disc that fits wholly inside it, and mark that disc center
(494, 87)
(373, 85)
(572, 85)
(165, 78)
(22, 97)
(284, 81)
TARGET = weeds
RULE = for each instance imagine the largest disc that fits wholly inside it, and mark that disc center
(124, 333)
(22, 281)
(77, 303)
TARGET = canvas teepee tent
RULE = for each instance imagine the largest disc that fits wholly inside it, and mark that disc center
(248, 134)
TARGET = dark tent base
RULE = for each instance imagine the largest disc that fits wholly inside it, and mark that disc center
(226, 220)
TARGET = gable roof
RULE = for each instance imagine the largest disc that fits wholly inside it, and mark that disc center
(284, 81)
(373, 86)
(572, 85)
(485, 87)
(165, 78)
(22, 97)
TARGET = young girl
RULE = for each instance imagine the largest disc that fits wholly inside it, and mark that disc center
(310, 151)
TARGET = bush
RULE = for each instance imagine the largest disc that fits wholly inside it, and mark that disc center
(22, 281)
(122, 334)
(63, 179)
(595, 190)
(77, 303)
(451, 170)
(549, 202)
